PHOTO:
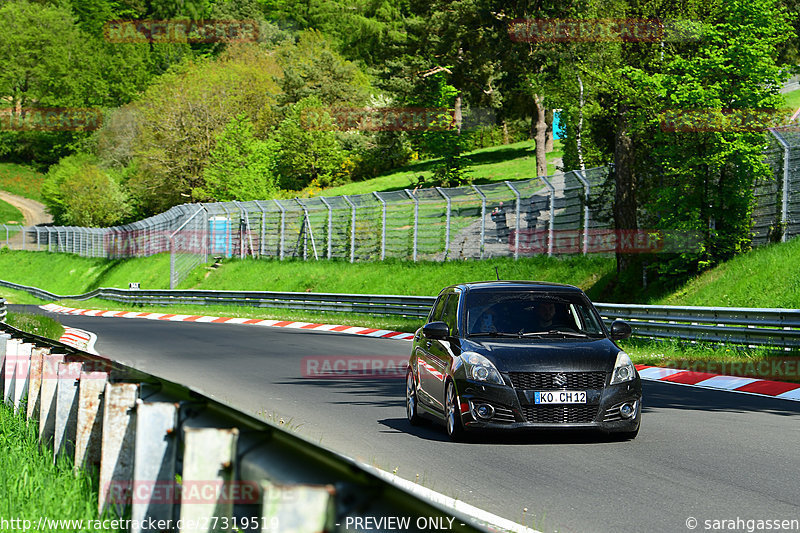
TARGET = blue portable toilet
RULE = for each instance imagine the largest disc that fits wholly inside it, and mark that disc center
(220, 229)
(558, 128)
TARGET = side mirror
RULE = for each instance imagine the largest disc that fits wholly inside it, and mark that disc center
(620, 330)
(436, 330)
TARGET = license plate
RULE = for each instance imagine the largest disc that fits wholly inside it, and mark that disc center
(559, 396)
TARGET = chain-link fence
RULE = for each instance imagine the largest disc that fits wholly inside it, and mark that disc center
(561, 214)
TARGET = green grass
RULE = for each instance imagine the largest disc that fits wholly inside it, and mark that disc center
(21, 180)
(793, 100)
(33, 486)
(36, 324)
(498, 163)
(10, 214)
(67, 274)
(765, 277)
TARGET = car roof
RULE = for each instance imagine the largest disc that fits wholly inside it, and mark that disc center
(521, 285)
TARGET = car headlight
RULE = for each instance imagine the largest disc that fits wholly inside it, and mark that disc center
(623, 369)
(481, 369)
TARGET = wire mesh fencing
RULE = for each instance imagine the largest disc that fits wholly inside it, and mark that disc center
(567, 213)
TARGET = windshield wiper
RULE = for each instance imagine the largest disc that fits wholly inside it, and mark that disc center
(493, 334)
(554, 332)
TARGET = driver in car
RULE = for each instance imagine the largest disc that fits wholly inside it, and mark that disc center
(545, 312)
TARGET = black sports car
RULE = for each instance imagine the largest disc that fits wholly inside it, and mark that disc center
(520, 354)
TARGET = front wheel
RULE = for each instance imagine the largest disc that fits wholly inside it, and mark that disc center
(455, 429)
(411, 400)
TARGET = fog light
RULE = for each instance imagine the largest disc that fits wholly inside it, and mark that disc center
(626, 410)
(484, 410)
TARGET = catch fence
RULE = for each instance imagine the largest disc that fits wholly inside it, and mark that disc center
(566, 213)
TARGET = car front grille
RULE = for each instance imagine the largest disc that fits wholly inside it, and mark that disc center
(559, 414)
(547, 380)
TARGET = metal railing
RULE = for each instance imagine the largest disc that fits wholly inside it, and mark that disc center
(144, 432)
(777, 328)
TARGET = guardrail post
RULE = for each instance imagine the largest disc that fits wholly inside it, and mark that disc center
(283, 228)
(516, 218)
(551, 229)
(117, 448)
(352, 228)
(330, 226)
(47, 397)
(483, 217)
(155, 453)
(587, 191)
(22, 233)
(447, 222)
(209, 458)
(8, 243)
(416, 222)
(35, 381)
(66, 409)
(383, 224)
(90, 406)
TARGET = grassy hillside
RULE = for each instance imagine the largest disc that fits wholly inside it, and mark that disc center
(765, 277)
(9, 215)
(21, 180)
(67, 274)
(497, 163)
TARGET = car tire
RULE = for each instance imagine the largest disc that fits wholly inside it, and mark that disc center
(452, 414)
(411, 400)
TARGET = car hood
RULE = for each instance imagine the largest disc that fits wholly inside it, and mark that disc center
(546, 355)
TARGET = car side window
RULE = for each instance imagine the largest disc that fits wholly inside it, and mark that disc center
(450, 315)
(438, 306)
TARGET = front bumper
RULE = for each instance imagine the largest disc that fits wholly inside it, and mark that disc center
(515, 408)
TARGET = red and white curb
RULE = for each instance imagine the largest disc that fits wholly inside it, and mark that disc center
(762, 387)
(310, 326)
(80, 339)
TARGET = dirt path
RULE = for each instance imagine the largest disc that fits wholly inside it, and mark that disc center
(33, 211)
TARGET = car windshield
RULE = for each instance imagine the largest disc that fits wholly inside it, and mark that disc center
(531, 314)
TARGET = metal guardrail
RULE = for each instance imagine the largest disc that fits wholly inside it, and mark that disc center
(145, 433)
(777, 328)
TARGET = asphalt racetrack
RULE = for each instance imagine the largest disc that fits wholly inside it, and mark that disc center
(702, 454)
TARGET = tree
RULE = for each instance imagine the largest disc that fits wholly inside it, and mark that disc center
(240, 167)
(78, 192)
(309, 151)
(311, 67)
(183, 113)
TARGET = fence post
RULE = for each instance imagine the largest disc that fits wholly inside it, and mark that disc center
(352, 228)
(330, 226)
(447, 222)
(263, 232)
(416, 222)
(587, 191)
(551, 231)
(383, 224)
(785, 192)
(483, 217)
(283, 227)
(516, 219)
